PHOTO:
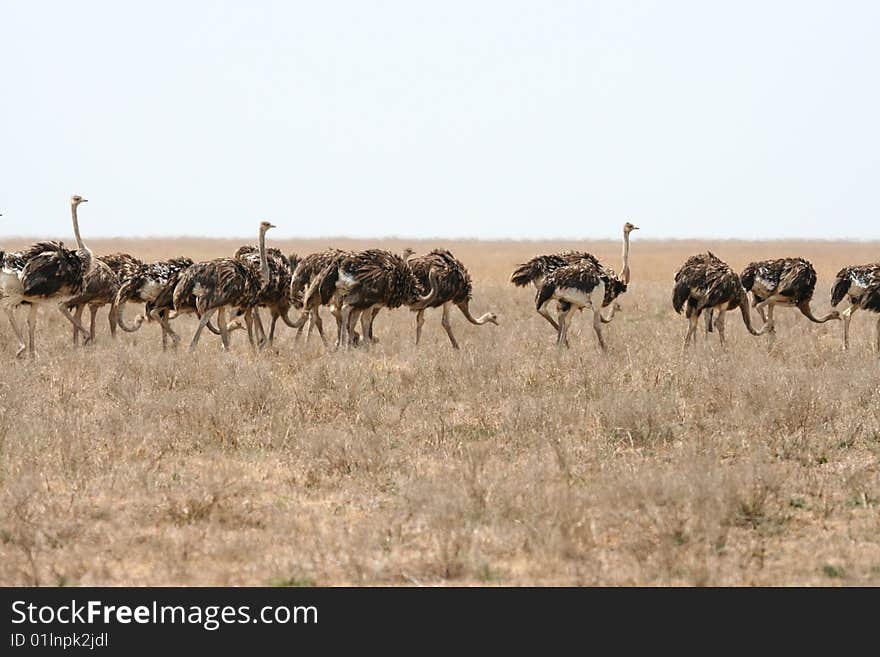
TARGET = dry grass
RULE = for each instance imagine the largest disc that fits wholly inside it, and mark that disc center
(508, 462)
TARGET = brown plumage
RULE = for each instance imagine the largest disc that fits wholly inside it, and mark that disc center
(536, 270)
(275, 293)
(579, 286)
(450, 283)
(12, 264)
(784, 282)
(314, 281)
(123, 264)
(703, 283)
(220, 285)
(53, 272)
(101, 289)
(860, 286)
(367, 280)
(153, 285)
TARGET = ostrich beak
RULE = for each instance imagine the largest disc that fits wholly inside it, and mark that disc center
(85, 200)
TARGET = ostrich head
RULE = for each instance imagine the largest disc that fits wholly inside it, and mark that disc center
(628, 228)
(76, 199)
(406, 253)
(492, 317)
(265, 225)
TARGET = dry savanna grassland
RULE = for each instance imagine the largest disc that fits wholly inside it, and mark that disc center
(509, 462)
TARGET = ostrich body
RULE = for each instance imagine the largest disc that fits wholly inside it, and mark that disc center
(220, 285)
(153, 285)
(580, 286)
(368, 280)
(860, 286)
(100, 288)
(275, 294)
(783, 282)
(11, 266)
(452, 283)
(536, 270)
(703, 283)
(313, 283)
(50, 272)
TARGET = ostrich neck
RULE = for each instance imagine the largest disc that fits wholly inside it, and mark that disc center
(625, 271)
(264, 263)
(85, 252)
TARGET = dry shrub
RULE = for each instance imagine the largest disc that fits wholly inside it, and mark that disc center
(505, 462)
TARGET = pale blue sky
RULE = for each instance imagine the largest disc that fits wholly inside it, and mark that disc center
(486, 119)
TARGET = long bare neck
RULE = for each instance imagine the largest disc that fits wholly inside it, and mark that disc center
(747, 316)
(607, 320)
(808, 313)
(84, 252)
(264, 262)
(624, 273)
(482, 319)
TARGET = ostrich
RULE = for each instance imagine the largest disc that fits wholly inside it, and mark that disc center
(49, 271)
(537, 269)
(11, 266)
(405, 255)
(861, 287)
(219, 284)
(705, 282)
(580, 286)
(153, 284)
(453, 283)
(784, 282)
(100, 289)
(275, 294)
(366, 280)
(305, 287)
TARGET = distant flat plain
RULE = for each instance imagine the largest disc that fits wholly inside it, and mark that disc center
(509, 462)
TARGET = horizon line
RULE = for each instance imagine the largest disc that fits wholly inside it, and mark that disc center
(399, 238)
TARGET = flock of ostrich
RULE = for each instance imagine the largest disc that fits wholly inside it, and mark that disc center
(356, 286)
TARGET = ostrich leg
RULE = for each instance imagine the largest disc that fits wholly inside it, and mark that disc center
(260, 331)
(32, 327)
(62, 306)
(112, 318)
(78, 315)
(847, 317)
(543, 312)
(319, 324)
(249, 322)
(719, 324)
(373, 315)
(18, 334)
(563, 308)
(342, 321)
(597, 326)
(562, 336)
(366, 316)
(275, 316)
(202, 323)
(224, 330)
(693, 322)
(93, 312)
(447, 325)
(420, 320)
(351, 330)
